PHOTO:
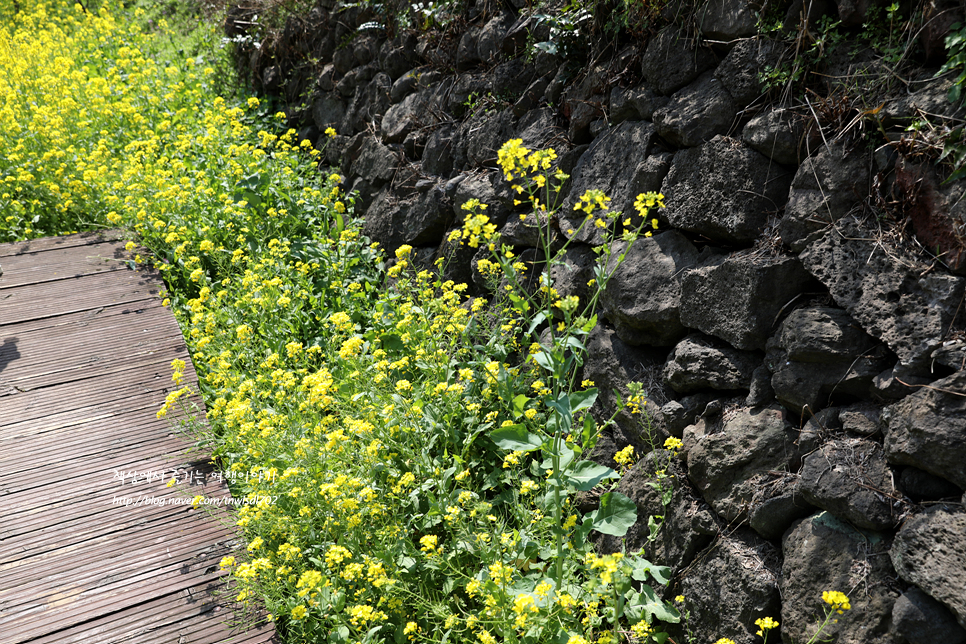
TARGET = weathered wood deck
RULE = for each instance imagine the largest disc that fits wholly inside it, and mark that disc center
(84, 366)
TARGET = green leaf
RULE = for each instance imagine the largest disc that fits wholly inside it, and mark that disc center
(537, 321)
(544, 359)
(520, 304)
(651, 604)
(580, 400)
(642, 569)
(516, 438)
(615, 516)
(519, 405)
(391, 342)
(566, 457)
(586, 475)
(562, 406)
(589, 433)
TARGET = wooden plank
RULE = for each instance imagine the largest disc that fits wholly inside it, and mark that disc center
(85, 293)
(86, 556)
(61, 263)
(34, 246)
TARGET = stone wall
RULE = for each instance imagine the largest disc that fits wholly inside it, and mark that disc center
(788, 323)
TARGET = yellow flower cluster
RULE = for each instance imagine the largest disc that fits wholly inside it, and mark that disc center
(765, 624)
(838, 601)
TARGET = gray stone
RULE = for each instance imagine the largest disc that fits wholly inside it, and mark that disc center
(374, 162)
(486, 188)
(557, 85)
(920, 486)
(611, 364)
(672, 60)
(897, 382)
(575, 270)
(849, 478)
(819, 353)
(538, 130)
(822, 334)
(517, 35)
(444, 152)
(468, 88)
(825, 188)
(920, 619)
(776, 504)
(728, 19)
(861, 418)
(397, 56)
(935, 209)
(634, 104)
(723, 190)
(467, 53)
(326, 78)
(404, 85)
(419, 220)
(952, 354)
(365, 49)
(931, 97)
(531, 232)
(739, 299)
(696, 113)
(490, 43)
(412, 112)
(643, 298)
(822, 553)
(689, 524)
(928, 429)
(930, 552)
(699, 362)
(740, 70)
(485, 134)
(582, 115)
(354, 78)
(885, 292)
(778, 134)
(760, 391)
(511, 78)
(328, 110)
(531, 97)
(853, 12)
(609, 164)
(731, 585)
(722, 465)
(678, 414)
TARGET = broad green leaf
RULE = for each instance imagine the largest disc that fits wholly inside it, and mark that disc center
(519, 405)
(580, 400)
(520, 304)
(615, 516)
(642, 568)
(391, 342)
(586, 475)
(562, 406)
(651, 604)
(544, 359)
(537, 321)
(566, 457)
(516, 438)
(589, 433)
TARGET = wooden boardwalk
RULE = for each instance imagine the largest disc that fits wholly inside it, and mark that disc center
(88, 552)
